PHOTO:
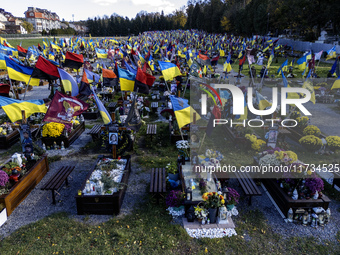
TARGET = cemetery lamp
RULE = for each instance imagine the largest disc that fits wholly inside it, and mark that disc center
(225, 192)
(188, 194)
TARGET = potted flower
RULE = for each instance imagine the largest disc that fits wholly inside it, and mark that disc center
(212, 201)
(315, 185)
(232, 198)
(175, 199)
(172, 170)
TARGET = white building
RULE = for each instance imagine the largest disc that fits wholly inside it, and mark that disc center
(42, 19)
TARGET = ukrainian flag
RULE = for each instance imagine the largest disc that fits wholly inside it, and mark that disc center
(262, 102)
(226, 66)
(101, 53)
(103, 112)
(183, 111)
(331, 53)
(244, 116)
(222, 54)
(336, 84)
(302, 63)
(20, 73)
(308, 85)
(284, 79)
(68, 82)
(271, 57)
(90, 76)
(2, 61)
(283, 67)
(126, 79)
(169, 70)
(13, 107)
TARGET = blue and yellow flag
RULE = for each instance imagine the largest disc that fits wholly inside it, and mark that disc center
(226, 66)
(261, 101)
(13, 107)
(69, 82)
(91, 75)
(284, 80)
(103, 112)
(283, 67)
(331, 53)
(336, 84)
(126, 79)
(101, 53)
(308, 85)
(302, 63)
(271, 57)
(183, 111)
(169, 70)
(245, 115)
(20, 73)
(2, 61)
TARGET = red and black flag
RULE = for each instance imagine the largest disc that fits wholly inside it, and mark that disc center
(143, 81)
(22, 52)
(73, 60)
(214, 60)
(108, 77)
(44, 69)
(204, 60)
(84, 88)
(39, 47)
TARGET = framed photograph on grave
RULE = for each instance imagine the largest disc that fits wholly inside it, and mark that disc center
(271, 136)
(25, 136)
(113, 138)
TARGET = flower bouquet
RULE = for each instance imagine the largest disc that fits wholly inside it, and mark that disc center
(53, 129)
(200, 212)
(183, 146)
(311, 142)
(213, 200)
(333, 142)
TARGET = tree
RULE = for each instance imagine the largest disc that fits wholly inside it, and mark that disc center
(28, 26)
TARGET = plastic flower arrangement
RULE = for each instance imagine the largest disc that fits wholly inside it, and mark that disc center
(175, 198)
(312, 130)
(311, 142)
(232, 197)
(295, 114)
(200, 212)
(52, 129)
(314, 183)
(213, 200)
(333, 142)
(3, 178)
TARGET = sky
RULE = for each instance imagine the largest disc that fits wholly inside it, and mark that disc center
(84, 9)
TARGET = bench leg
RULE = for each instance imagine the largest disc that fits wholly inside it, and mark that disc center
(250, 200)
(53, 197)
(66, 182)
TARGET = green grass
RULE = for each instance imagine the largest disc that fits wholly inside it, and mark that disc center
(148, 230)
(321, 69)
(25, 43)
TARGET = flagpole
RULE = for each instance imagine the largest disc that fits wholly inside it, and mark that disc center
(27, 87)
(14, 94)
(186, 85)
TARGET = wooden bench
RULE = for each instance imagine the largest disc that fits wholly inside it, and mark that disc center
(154, 106)
(248, 185)
(57, 180)
(95, 131)
(157, 182)
(151, 130)
(336, 180)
